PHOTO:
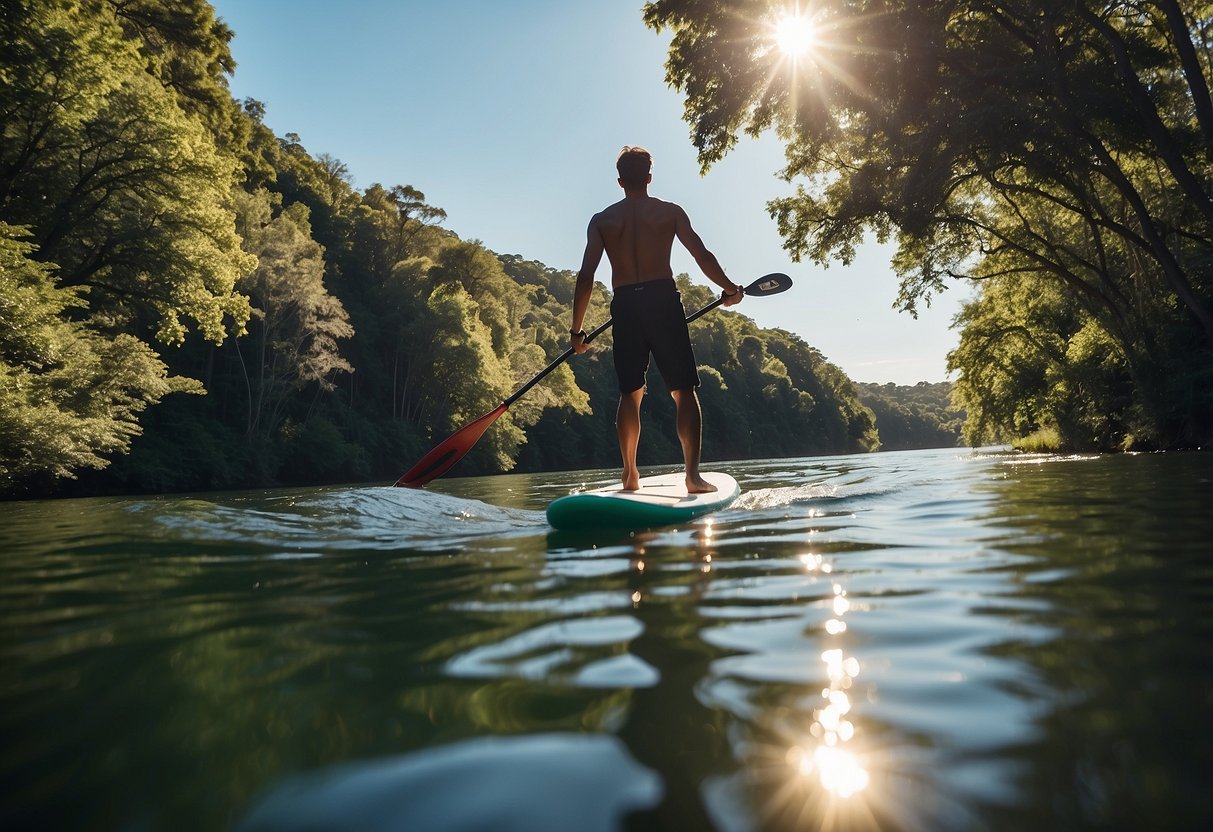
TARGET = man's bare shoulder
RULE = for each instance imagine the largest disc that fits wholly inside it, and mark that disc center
(609, 218)
(609, 212)
(666, 208)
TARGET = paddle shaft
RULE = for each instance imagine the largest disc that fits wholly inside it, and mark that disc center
(556, 362)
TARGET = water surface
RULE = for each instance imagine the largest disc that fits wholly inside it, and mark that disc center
(921, 640)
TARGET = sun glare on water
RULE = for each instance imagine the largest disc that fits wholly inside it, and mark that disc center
(795, 34)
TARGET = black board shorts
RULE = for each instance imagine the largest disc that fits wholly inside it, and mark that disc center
(649, 319)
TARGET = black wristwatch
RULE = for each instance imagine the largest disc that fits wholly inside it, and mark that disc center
(580, 332)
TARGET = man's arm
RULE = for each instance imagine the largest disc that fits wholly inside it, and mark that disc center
(594, 247)
(707, 261)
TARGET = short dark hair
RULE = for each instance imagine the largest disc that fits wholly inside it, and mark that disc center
(634, 165)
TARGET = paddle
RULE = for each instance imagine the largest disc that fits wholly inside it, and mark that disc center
(440, 460)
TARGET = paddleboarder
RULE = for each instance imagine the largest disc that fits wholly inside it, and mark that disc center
(637, 233)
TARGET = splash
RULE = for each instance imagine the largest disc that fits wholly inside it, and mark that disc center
(766, 498)
(339, 518)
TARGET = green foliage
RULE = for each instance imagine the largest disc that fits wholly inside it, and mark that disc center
(1043, 441)
(122, 189)
(68, 396)
(910, 417)
(1032, 359)
(1062, 146)
(296, 322)
(318, 450)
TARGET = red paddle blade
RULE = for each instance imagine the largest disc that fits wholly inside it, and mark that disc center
(440, 460)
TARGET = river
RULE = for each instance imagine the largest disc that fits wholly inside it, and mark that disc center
(928, 640)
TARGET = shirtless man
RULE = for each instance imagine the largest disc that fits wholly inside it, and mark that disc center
(637, 234)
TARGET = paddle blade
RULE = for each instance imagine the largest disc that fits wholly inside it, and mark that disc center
(440, 460)
(770, 284)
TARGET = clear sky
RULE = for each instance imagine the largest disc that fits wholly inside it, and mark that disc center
(508, 115)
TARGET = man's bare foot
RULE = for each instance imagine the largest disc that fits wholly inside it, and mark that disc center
(631, 480)
(698, 485)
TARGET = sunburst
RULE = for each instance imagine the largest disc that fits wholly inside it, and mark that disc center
(810, 52)
(795, 34)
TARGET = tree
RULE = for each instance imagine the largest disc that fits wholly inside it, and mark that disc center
(394, 225)
(119, 187)
(460, 376)
(1060, 141)
(1036, 364)
(296, 323)
(69, 397)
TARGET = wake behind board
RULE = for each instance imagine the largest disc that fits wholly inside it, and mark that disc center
(661, 501)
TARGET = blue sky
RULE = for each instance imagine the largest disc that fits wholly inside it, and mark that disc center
(508, 115)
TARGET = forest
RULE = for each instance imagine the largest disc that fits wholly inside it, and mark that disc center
(909, 417)
(189, 301)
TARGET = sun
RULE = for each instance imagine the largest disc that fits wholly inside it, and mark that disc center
(795, 34)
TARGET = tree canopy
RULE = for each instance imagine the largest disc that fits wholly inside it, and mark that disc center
(1043, 150)
(69, 397)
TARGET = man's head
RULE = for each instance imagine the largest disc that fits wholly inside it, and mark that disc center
(634, 165)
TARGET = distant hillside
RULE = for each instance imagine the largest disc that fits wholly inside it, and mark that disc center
(921, 416)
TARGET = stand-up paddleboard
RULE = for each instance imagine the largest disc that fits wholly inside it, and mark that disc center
(661, 501)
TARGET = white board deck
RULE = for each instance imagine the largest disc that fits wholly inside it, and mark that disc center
(661, 500)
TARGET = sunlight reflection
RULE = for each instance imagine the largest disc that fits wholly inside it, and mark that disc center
(650, 566)
(815, 563)
(817, 770)
(841, 604)
(838, 769)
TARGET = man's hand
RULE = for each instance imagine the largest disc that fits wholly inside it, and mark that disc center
(733, 298)
(578, 343)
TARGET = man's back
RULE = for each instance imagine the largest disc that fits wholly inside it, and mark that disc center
(638, 233)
